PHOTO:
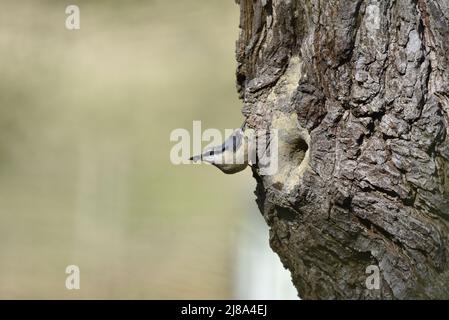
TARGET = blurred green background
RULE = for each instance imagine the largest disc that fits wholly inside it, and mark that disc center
(85, 174)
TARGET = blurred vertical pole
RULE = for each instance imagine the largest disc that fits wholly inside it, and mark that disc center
(259, 274)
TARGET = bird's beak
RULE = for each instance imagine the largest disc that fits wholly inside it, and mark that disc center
(196, 158)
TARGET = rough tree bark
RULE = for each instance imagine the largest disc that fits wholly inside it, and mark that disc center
(358, 90)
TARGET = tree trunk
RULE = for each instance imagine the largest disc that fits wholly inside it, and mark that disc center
(358, 90)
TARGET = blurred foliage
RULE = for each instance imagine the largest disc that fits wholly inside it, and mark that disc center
(85, 176)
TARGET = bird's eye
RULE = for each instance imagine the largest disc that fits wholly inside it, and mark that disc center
(211, 153)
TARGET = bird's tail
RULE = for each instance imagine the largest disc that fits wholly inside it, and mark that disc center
(243, 126)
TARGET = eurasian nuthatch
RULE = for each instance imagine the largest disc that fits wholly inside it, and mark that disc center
(231, 157)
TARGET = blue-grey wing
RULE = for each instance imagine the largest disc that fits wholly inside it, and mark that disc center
(233, 142)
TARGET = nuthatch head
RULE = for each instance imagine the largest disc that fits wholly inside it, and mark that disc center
(231, 157)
